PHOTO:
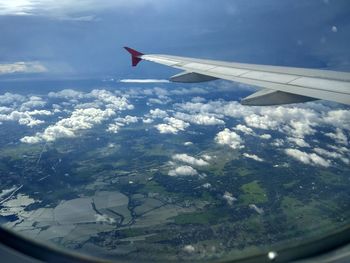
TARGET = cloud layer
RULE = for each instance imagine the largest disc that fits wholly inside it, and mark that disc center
(296, 126)
(81, 119)
(88, 110)
(22, 67)
(290, 129)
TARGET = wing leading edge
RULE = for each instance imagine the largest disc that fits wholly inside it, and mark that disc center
(281, 85)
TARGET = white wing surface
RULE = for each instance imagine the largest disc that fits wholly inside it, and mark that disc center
(281, 85)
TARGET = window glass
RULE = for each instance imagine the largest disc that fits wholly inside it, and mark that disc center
(103, 159)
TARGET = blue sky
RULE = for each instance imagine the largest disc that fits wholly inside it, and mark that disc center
(85, 38)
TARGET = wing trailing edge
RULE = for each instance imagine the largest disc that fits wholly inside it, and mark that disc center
(267, 97)
(191, 77)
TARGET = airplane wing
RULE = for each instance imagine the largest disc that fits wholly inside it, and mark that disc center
(281, 85)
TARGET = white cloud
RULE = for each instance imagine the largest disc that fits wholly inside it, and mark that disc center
(120, 122)
(25, 118)
(32, 103)
(185, 91)
(189, 249)
(339, 136)
(290, 115)
(229, 198)
(188, 143)
(185, 158)
(184, 170)
(299, 141)
(86, 118)
(158, 113)
(340, 149)
(198, 99)
(4, 109)
(244, 129)
(200, 119)
(104, 219)
(30, 139)
(333, 155)
(207, 157)
(253, 156)
(16, 7)
(57, 131)
(147, 120)
(166, 129)
(81, 119)
(219, 108)
(206, 185)
(262, 122)
(39, 112)
(85, 105)
(127, 119)
(21, 67)
(300, 128)
(338, 118)
(256, 209)
(113, 128)
(10, 98)
(66, 9)
(278, 142)
(265, 136)
(30, 122)
(66, 94)
(110, 100)
(161, 93)
(174, 126)
(161, 101)
(308, 158)
(230, 138)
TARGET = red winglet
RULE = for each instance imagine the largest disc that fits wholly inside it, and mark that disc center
(135, 56)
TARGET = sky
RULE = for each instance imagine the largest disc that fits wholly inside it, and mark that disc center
(85, 38)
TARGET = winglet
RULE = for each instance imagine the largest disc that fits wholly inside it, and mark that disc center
(135, 56)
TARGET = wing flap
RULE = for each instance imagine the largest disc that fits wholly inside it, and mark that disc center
(268, 97)
(191, 77)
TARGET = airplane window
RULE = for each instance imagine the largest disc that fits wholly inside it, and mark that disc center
(119, 163)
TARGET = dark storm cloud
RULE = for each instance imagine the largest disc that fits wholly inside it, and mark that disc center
(87, 39)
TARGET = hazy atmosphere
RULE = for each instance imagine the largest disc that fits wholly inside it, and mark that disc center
(85, 38)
